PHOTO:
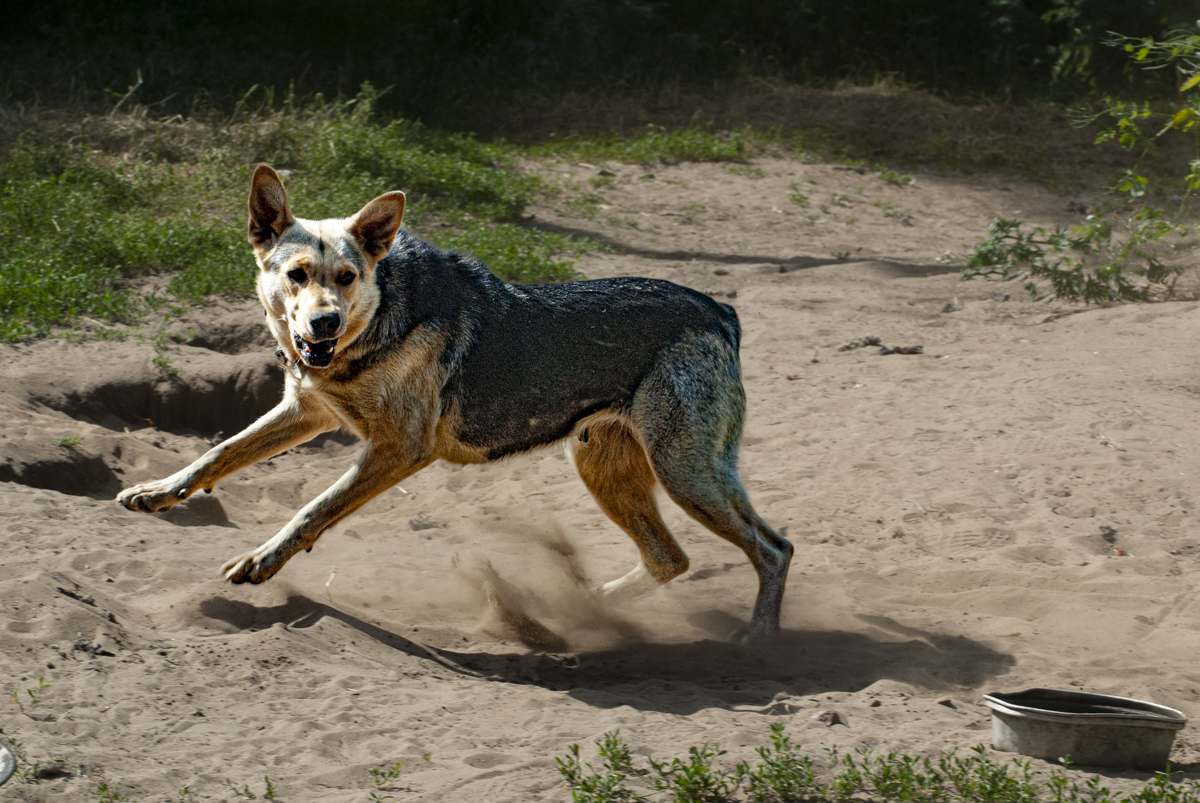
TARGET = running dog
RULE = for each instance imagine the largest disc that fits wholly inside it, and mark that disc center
(426, 356)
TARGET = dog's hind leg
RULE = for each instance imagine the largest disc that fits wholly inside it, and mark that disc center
(614, 468)
(690, 411)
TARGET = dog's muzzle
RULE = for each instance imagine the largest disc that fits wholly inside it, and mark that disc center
(315, 355)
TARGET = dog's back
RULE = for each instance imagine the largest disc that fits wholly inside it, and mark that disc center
(525, 363)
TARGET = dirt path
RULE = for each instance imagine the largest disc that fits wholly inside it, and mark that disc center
(956, 514)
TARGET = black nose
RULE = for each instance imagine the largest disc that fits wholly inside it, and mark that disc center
(325, 325)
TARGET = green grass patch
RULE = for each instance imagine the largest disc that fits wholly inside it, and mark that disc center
(656, 145)
(82, 229)
(782, 774)
(899, 179)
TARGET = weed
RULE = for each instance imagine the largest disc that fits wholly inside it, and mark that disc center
(1081, 263)
(602, 181)
(68, 443)
(240, 791)
(899, 179)
(842, 254)
(270, 789)
(607, 785)
(35, 693)
(824, 208)
(109, 793)
(797, 197)
(383, 779)
(780, 775)
(694, 208)
(749, 171)
(162, 351)
(384, 776)
(696, 781)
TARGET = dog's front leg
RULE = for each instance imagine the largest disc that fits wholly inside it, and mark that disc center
(378, 469)
(292, 421)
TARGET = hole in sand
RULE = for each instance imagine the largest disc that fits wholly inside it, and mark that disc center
(218, 395)
(68, 472)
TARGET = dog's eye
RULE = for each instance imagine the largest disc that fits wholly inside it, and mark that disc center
(346, 279)
(298, 275)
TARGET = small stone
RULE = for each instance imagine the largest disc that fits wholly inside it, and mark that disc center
(875, 703)
(424, 523)
(946, 701)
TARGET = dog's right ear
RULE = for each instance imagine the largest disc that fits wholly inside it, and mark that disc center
(270, 214)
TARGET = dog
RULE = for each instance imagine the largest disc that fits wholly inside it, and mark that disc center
(425, 355)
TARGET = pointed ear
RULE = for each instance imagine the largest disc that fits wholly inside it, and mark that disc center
(376, 224)
(270, 214)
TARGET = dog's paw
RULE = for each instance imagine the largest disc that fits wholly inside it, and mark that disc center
(631, 586)
(150, 497)
(253, 567)
(755, 634)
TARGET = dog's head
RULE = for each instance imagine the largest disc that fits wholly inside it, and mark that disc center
(317, 277)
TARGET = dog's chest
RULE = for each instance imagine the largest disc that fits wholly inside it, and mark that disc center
(396, 396)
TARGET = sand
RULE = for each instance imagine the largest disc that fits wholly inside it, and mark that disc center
(957, 517)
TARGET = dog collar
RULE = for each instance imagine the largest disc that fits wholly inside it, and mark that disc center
(293, 367)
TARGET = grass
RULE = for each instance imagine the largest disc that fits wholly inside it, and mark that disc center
(899, 179)
(656, 144)
(143, 217)
(83, 228)
(782, 774)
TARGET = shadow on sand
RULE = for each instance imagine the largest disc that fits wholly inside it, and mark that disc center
(682, 678)
(772, 264)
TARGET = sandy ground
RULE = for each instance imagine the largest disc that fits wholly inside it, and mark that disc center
(957, 517)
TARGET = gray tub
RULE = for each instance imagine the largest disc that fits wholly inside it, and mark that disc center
(1096, 730)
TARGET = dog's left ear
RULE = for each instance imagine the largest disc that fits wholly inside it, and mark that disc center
(376, 224)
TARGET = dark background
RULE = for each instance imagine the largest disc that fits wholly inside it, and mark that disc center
(449, 61)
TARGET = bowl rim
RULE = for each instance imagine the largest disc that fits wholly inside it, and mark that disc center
(1143, 714)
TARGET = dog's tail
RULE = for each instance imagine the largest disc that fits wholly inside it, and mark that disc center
(730, 325)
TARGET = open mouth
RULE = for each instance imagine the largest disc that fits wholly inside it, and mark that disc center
(318, 354)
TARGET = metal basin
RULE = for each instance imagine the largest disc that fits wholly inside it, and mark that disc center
(7, 764)
(1096, 730)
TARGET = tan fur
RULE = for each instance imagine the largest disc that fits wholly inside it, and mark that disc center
(613, 466)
